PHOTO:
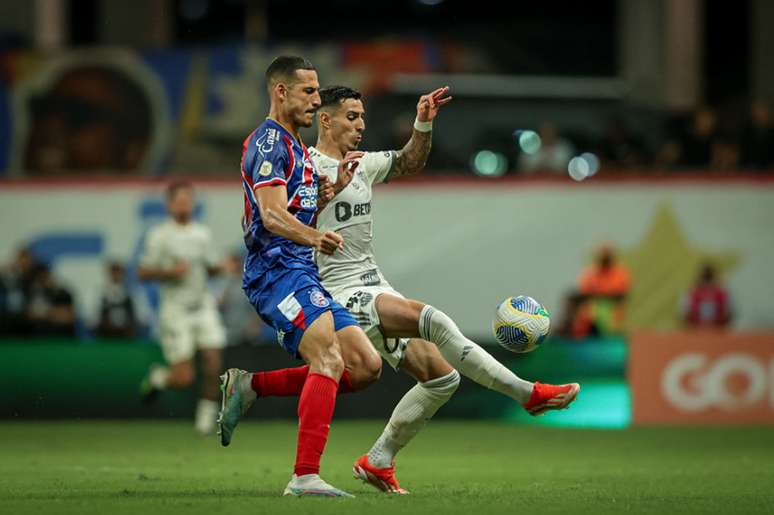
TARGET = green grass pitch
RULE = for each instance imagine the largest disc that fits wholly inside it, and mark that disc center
(452, 467)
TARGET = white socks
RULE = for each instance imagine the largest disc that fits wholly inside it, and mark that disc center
(469, 358)
(206, 416)
(412, 412)
(158, 377)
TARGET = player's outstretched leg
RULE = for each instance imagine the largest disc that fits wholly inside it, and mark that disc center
(241, 388)
(408, 317)
(437, 382)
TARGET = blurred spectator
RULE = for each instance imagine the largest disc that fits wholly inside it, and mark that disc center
(701, 145)
(117, 315)
(620, 148)
(553, 156)
(15, 283)
(50, 308)
(243, 326)
(602, 290)
(696, 143)
(707, 304)
(758, 138)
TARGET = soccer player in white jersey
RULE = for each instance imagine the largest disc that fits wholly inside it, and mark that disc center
(410, 335)
(180, 255)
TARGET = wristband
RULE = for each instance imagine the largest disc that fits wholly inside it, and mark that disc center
(423, 126)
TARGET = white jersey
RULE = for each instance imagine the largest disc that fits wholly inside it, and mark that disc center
(171, 242)
(349, 214)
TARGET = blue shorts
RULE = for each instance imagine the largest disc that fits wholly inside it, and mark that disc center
(291, 302)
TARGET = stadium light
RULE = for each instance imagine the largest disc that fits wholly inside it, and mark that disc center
(489, 164)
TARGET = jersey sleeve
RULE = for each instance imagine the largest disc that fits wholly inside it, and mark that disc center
(267, 159)
(153, 253)
(378, 165)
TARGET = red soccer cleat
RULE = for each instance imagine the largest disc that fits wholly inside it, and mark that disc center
(382, 479)
(548, 396)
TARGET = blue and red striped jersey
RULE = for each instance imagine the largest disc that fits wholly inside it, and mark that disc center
(272, 157)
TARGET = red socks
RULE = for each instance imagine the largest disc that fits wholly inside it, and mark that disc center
(290, 382)
(281, 383)
(315, 411)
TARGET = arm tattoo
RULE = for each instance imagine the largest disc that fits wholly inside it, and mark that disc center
(411, 159)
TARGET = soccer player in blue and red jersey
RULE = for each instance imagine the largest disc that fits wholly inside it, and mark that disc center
(281, 279)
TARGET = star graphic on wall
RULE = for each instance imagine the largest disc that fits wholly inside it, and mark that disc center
(663, 267)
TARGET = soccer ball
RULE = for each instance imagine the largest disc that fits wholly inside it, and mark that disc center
(520, 324)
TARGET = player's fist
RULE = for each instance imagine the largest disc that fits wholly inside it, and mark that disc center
(428, 105)
(328, 242)
(346, 170)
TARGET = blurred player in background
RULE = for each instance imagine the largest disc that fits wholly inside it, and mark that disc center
(410, 335)
(180, 255)
(282, 282)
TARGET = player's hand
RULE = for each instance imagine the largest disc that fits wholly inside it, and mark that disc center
(346, 170)
(325, 192)
(328, 242)
(178, 271)
(428, 105)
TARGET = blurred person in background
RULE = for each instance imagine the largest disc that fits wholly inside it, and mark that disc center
(91, 119)
(180, 255)
(15, 281)
(117, 314)
(701, 144)
(242, 326)
(553, 156)
(758, 138)
(696, 143)
(620, 148)
(602, 289)
(50, 306)
(707, 304)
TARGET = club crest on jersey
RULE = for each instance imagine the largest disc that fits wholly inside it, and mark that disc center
(266, 169)
(317, 298)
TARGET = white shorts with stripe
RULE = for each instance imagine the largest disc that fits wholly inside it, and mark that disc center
(360, 301)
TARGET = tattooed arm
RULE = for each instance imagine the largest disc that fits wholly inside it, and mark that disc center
(412, 157)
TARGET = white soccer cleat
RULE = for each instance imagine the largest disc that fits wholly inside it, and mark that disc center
(312, 485)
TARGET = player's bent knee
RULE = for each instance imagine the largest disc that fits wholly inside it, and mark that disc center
(329, 360)
(181, 377)
(442, 388)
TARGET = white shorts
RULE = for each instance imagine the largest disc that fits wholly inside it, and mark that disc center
(184, 331)
(360, 301)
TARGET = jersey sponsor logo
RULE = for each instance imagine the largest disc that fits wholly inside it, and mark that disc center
(308, 196)
(266, 169)
(266, 141)
(345, 210)
(317, 298)
(370, 278)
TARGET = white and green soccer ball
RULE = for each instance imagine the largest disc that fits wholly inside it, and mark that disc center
(521, 324)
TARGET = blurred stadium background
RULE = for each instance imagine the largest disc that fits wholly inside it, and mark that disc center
(613, 159)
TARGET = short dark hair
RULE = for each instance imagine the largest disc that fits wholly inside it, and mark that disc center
(335, 95)
(284, 68)
(177, 185)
